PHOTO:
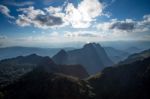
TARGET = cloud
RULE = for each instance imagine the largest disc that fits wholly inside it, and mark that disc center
(44, 20)
(84, 14)
(144, 25)
(5, 11)
(39, 18)
(77, 17)
(81, 34)
(53, 10)
(64, 37)
(23, 21)
(19, 4)
(127, 25)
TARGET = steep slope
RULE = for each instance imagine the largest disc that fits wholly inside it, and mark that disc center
(61, 57)
(49, 66)
(92, 56)
(129, 81)
(12, 69)
(137, 56)
(115, 54)
(74, 70)
(44, 85)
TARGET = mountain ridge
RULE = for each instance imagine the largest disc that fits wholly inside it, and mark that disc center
(12, 69)
(92, 56)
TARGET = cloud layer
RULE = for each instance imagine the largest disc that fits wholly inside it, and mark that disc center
(127, 25)
(84, 14)
(38, 18)
(78, 17)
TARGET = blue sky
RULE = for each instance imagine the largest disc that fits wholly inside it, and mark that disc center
(61, 22)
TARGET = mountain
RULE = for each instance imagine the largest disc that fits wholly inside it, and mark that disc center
(52, 81)
(92, 56)
(61, 57)
(116, 55)
(126, 81)
(49, 66)
(10, 52)
(12, 69)
(44, 85)
(137, 56)
(74, 70)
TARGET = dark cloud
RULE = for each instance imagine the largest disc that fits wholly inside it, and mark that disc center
(49, 20)
(39, 18)
(123, 26)
(127, 25)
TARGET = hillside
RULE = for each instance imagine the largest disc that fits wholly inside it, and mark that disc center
(43, 85)
(129, 81)
(12, 69)
(92, 56)
(137, 56)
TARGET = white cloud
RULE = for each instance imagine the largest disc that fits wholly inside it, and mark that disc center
(84, 14)
(30, 12)
(66, 37)
(82, 34)
(23, 21)
(78, 17)
(4, 10)
(115, 25)
(126, 26)
(39, 18)
(53, 10)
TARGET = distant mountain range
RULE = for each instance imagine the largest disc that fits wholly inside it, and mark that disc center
(92, 56)
(116, 55)
(10, 52)
(45, 81)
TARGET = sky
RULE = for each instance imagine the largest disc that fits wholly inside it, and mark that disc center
(54, 23)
